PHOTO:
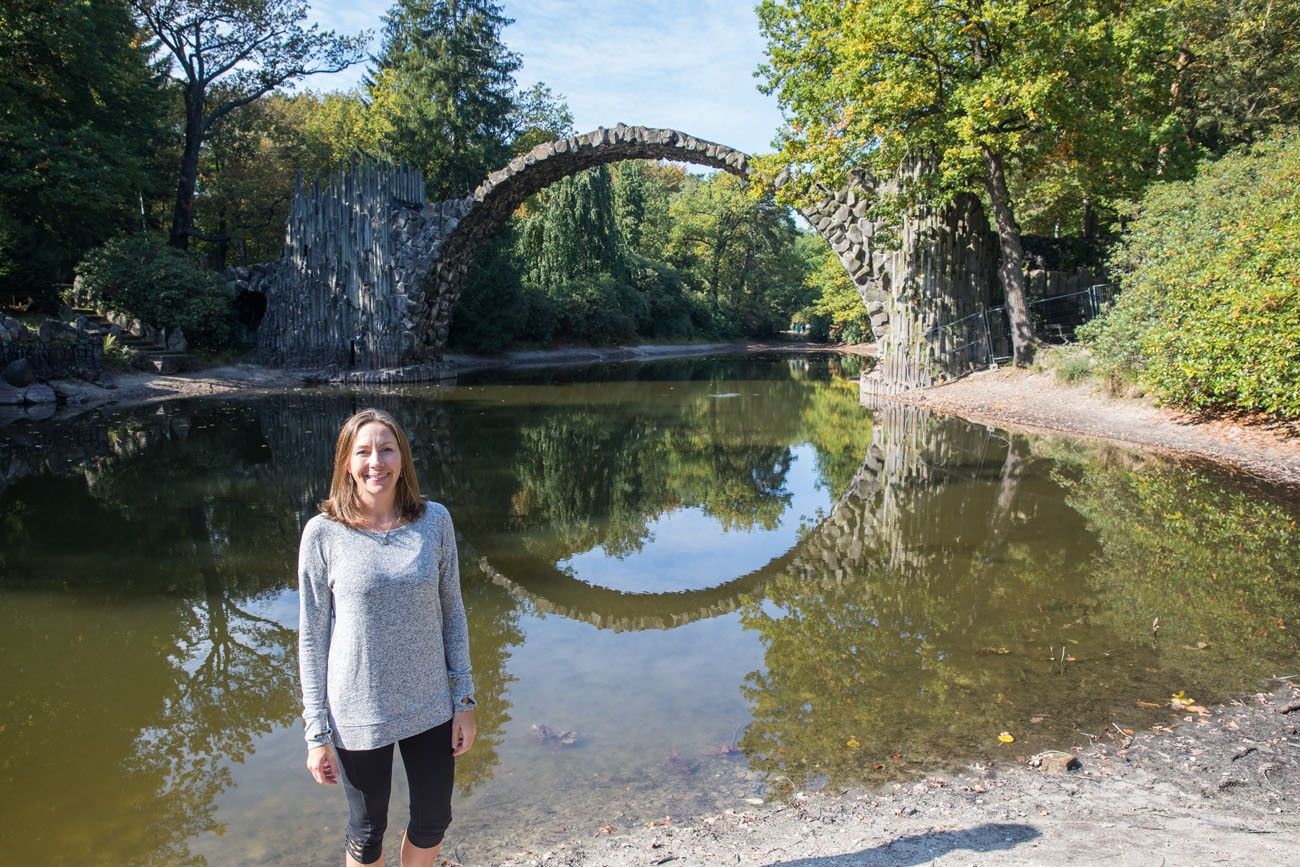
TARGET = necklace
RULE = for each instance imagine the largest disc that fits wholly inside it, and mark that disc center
(383, 535)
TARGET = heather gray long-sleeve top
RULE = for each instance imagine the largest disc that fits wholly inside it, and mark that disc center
(383, 645)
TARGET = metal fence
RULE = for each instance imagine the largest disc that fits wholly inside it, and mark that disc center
(983, 339)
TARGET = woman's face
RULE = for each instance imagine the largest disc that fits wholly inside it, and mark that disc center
(376, 462)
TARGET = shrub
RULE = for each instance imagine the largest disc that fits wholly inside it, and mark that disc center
(1070, 364)
(141, 277)
(1209, 315)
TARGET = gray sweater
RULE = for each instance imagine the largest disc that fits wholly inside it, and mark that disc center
(383, 645)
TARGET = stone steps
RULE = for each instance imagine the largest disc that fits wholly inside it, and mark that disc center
(149, 354)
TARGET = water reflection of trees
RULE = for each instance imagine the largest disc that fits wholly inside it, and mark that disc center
(599, 472)
(917, 622)
(141, 551)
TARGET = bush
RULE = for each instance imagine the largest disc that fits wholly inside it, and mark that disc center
(141, 277)
(1209, 315)
(1070, 364)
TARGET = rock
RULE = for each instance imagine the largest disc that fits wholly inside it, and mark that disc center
(18, 373)
(39, 394)
(50, 329)
(1055, 762)
(176, 341)
(10, 396)
(39, 411)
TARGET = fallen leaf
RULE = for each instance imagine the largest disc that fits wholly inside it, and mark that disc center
(1007, 738)
(1141, 703)
(852, 743)
(606, 829)
(657, 823)
(1181, 699)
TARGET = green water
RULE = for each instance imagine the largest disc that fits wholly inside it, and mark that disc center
(727, 577)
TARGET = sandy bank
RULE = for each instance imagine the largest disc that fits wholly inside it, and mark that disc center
(1220, 787)
(1029, 400)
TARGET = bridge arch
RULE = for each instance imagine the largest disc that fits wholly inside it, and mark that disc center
(460, 227)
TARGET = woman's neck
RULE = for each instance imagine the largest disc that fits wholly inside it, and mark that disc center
(378, 511)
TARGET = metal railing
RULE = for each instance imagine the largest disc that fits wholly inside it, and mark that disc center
(983, 339)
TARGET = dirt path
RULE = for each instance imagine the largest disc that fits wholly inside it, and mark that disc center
(1221, 787)
(1037, 401)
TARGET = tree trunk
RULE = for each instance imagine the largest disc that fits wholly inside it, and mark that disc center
(183, 213)
(1011, 268)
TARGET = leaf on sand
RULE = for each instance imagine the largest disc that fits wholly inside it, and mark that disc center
(1181, 699)
(1007, 738)
(1141, 703)
(852, 743)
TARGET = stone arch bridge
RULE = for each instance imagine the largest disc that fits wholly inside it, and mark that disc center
(372, 272)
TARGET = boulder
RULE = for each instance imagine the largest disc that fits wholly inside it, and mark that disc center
(40, 394)
(176, 341)
(18, 373)
(10, 396)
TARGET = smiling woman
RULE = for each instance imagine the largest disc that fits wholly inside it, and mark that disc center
(383, 642)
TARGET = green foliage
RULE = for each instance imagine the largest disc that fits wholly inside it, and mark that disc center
(117, 355)
(1209, 315)
(141, 277)
(443, 91)
(1237, 76)
(227, 54)
(82, 115)
(836, 312)
(740, 252)
(1070, 364)
(538, 115)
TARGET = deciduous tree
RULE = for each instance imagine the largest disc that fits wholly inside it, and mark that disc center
(944, 96)
(81, 118)
(250, 47)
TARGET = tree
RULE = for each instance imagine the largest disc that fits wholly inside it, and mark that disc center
(740, 249)
(539, 115)
(251, 47)
(946, 97)
(82, 120)
(444, 85)
(1235, 72)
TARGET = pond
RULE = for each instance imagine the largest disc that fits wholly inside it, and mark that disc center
(690, 585)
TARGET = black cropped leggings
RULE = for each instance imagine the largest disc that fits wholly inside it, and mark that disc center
(368, 779)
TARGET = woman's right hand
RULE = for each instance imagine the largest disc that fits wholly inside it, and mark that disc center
(323, 764)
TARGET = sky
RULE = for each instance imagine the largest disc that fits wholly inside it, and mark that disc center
(666, 63)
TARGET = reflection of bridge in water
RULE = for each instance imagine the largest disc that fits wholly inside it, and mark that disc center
(909, 487)
(885, 518)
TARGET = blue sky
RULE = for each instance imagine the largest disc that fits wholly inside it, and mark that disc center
(685, 65)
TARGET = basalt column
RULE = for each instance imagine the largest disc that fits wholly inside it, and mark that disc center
(933, 286)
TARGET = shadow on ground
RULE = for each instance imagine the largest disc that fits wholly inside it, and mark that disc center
(915, 849)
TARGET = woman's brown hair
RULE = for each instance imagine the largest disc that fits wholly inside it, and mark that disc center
(342, 505)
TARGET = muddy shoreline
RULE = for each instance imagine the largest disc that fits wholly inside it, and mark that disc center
(1218, 786)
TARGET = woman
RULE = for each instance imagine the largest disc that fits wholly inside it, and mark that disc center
(383, 645)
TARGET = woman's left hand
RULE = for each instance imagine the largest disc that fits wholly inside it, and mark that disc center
(463, 730)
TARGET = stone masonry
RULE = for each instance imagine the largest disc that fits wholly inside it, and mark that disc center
(371, 273)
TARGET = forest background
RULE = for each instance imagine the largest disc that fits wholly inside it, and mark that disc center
(1096, 126)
